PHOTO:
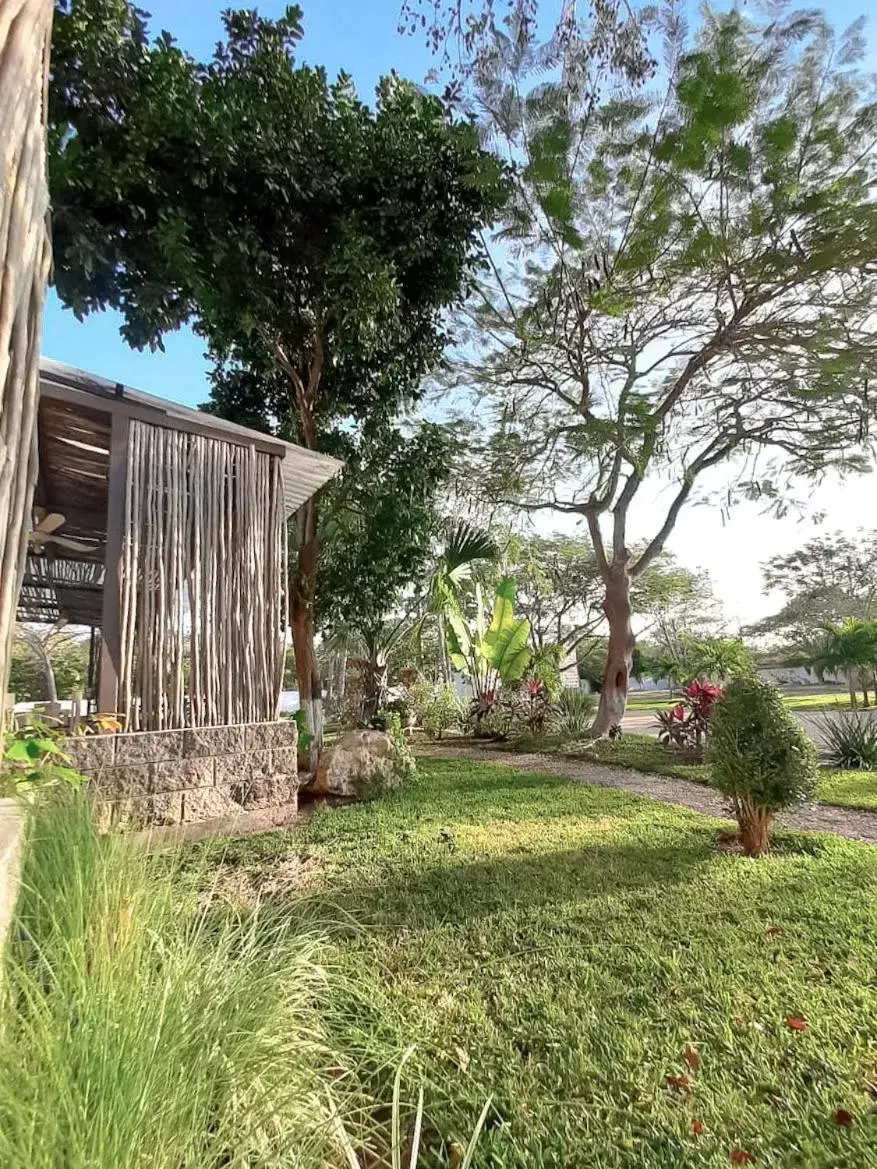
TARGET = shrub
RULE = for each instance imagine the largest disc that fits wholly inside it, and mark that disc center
(139, 1027)
(850, 739)
(545, 668)
(574, 712)
(32, 760)
(761, 758)
(538, 706)
(404, 764)
(437, 708)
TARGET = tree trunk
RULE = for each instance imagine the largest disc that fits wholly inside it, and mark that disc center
(754, 830)
(851, 682)
(49, 684)
(303, 593)
(444, 656)
(25, 255)
(619, 653)
(863, 682)
(375, 687)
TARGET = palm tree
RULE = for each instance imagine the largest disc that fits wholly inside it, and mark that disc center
(464, 547)
(851, 649)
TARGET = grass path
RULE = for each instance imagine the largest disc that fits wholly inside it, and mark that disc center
(588, 959)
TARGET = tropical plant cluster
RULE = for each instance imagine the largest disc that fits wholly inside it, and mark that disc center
(686, 725)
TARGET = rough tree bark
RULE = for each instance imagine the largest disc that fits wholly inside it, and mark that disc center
(303, 595)
(619, 651)
(25, 255)
(304, 392)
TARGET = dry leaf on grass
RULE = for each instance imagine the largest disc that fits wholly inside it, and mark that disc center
(680, 1083)
(691, 1056)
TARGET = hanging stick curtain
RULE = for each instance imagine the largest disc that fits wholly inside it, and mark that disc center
(203, 605)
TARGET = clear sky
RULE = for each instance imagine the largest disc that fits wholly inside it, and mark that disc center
(361, 36)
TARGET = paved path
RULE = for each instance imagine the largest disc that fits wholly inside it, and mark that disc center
(808, 818)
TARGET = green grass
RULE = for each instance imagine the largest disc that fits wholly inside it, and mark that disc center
(558, 947)
(642, 753)
(139, 1031)
(816, 702)
(823, 700)
(849, 789)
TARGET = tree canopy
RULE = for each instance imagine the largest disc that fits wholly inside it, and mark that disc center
(314, 241)
(688, 277)
(827, 579)
(380, 521)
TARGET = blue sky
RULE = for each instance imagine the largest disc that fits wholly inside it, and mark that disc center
(361, 36)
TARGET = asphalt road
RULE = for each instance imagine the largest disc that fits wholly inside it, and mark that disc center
(643, 722)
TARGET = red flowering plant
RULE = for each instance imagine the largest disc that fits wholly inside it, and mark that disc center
(539, 705)
(686, 725)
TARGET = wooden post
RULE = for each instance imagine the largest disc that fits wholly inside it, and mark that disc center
(111, 630)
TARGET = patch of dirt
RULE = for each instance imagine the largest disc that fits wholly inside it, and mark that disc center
(729, 842)
(244, 886)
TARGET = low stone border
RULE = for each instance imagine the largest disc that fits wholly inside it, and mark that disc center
(158, 778)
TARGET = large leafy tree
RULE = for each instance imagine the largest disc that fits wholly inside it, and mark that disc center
(560, 589)
(688, 280)
(25, 255)
(380, 521)
(826, 580)
(314, 241)
(48, 663)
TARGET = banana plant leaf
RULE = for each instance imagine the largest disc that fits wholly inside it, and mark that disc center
(509, 652)
(503, 608)
(458, 642)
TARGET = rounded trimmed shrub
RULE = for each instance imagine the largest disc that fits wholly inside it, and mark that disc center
(761, 758)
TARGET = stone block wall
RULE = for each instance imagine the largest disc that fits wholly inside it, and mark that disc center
(147, 778)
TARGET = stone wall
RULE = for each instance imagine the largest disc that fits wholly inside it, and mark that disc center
(149, 778)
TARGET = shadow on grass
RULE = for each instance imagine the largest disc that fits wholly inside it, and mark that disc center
(416, 895)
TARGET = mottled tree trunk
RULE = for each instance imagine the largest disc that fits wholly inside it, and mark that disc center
(619, 652)
(303, 594)
(25, 254)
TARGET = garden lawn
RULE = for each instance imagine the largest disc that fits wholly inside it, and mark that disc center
(851, 789)
(628, 995)
(826, 700)
(845, 789)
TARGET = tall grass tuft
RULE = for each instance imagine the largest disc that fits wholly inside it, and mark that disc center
(850, 739)
(575, 712)
(139, 1029)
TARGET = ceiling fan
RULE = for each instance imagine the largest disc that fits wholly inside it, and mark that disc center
(46, 525)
